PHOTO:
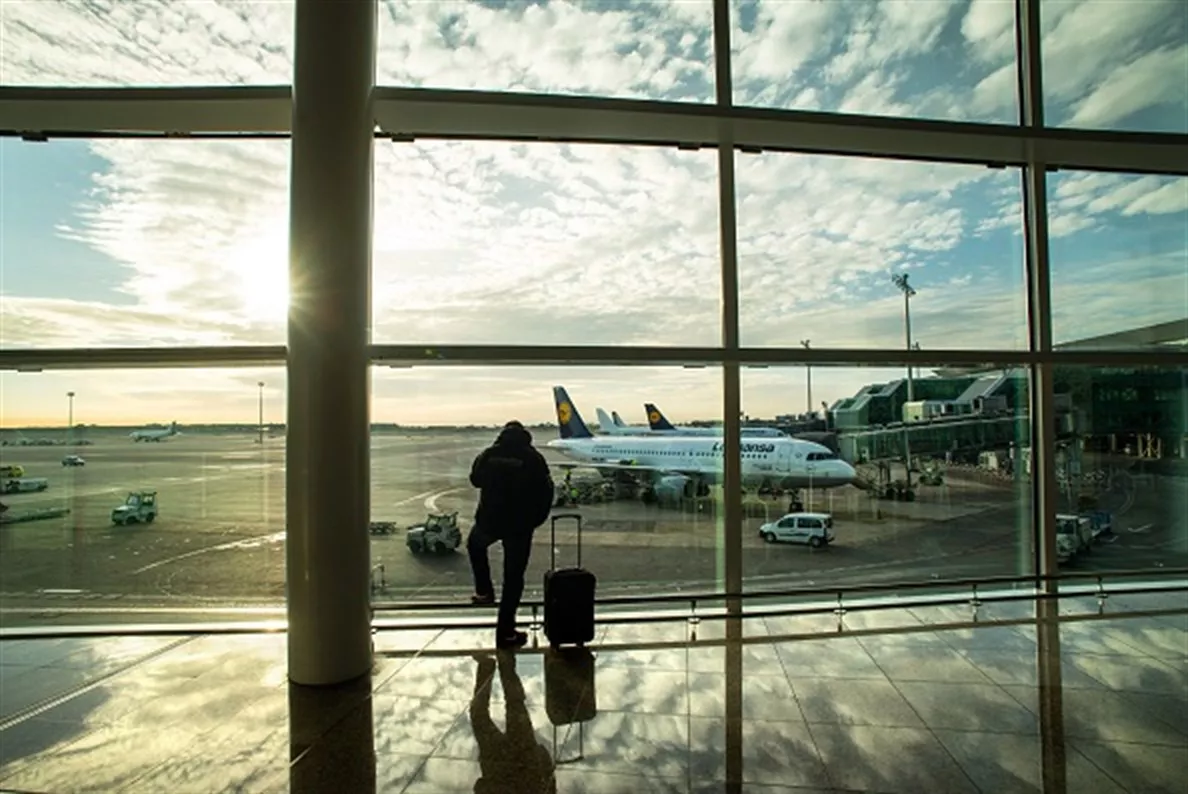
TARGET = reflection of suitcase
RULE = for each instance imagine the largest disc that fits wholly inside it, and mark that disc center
(568, 595)
(569, 685)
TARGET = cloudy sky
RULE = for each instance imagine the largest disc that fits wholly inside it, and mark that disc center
(175, 243)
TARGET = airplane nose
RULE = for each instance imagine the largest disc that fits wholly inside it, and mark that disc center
(848, 473)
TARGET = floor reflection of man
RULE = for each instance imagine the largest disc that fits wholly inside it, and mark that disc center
(512, 761)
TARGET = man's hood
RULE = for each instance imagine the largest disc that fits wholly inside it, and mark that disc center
(514, 436)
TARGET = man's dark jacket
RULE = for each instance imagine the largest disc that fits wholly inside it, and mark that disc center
(515, 489)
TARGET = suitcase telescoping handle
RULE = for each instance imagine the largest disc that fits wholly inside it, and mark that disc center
(553, 539)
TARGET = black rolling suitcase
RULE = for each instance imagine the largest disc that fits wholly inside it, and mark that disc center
(568, 595)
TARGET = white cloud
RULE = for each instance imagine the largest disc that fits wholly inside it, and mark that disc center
(785, 36)
(1170, 197)
(152, 42)
(996, 91)
(653, 50)
(1108, 50)
(989, 27)
(1087, 195)
(595, 245)
(1159, 77)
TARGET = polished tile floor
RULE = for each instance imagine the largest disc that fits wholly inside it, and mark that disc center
(899, 701)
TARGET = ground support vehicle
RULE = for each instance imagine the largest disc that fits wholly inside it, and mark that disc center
(1074, 534)
(24, 485)
(438, 534)
(139, 507)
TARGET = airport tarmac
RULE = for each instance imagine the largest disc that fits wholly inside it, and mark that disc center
(218, 540)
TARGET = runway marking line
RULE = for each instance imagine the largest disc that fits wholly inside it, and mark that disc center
(256, 540)
(431, 502)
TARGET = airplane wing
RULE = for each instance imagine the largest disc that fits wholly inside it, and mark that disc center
(627, 467)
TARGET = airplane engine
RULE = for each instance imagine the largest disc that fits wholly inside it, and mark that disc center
(680, 487)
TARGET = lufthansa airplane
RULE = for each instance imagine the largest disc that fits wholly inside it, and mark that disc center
(690, 464)
(660, 426)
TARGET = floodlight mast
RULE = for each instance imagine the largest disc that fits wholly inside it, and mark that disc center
(901, 280)
(809, 370)
(70, 419)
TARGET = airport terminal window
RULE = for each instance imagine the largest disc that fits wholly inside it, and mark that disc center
(655, 50)
(1119, 260)
(146, 489)
(79, 43)
(937, 60)
(1129, 74)
(652, 530)
(821, 238)
(545, 244)
(135, 243)
(1120, 468)
(962, 509)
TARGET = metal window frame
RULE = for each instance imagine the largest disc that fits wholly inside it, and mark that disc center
(406, 115)
(410, 114)
(447, 355)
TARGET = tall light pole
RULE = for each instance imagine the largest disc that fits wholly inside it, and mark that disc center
(260, 420)
(901, 281)
(911, 370)
(70, 419)
(809, 371)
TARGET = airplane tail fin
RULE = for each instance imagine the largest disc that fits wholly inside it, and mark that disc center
(605, 423)
(656, 420)
(570, 421)
(618, 420)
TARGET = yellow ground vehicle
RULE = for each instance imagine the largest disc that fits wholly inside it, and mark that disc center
(11, 471)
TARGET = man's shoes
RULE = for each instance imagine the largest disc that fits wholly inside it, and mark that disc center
(482, 600)
(516, 639)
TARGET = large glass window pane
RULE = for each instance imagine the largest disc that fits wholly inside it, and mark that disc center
(141, 495)
(852, 511)
(649, 527)
(544, 243)
(1120, 467)
(1113, 64)
(821, 238)
(938, 59)
(145, 43)
(659, 49)
(1119, 260)
(143, 243)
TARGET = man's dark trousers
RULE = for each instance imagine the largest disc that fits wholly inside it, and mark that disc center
(517, 546)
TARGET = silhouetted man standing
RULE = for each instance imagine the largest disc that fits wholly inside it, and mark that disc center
(515, 496)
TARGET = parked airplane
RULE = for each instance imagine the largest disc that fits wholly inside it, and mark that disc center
(155, 433)
(658, 422)
(610, 427)
(688, 465)
(615, 426)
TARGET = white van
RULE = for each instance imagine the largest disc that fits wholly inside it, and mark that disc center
(815, 529)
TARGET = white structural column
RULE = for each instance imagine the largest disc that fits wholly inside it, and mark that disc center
(327, 553)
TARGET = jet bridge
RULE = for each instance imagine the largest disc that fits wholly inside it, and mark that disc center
(963, 436)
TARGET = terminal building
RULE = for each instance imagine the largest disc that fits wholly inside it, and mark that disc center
(958, 414)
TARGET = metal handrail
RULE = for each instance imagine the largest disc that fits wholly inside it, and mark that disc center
(840, 591)
(838, 606)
